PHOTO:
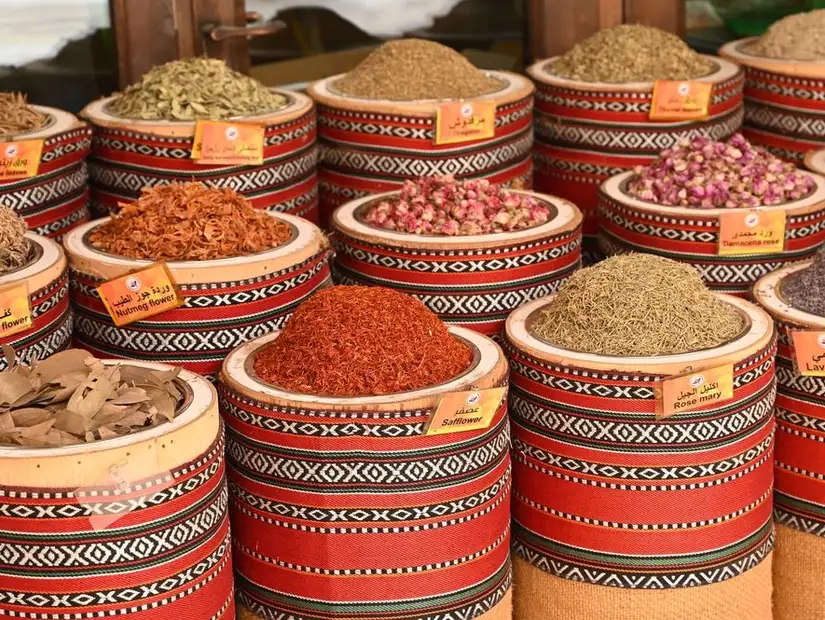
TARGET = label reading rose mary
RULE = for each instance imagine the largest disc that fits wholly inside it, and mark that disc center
(465, 411)
(693, 390)
(20, 160)
(140, 294)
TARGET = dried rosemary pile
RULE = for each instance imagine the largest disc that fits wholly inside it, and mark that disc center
(14, 247)
(17, 117)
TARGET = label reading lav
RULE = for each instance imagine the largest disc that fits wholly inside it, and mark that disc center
(20, 160)
(465, 122)
(140, 294)
(751, 232)
(228, 143)
(809, 353)
(694, 390)
(680, 101)
(465, 411)
(15, 311)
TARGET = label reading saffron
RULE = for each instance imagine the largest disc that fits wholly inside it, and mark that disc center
(751, 232)
(680, 101)
(15, 311)
(228, 143)
(20, 160)
(140, 294)
(694, 390)
(465, 411)
(465, 122)
(809, 353)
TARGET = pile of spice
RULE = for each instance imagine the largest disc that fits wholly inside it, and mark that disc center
(631, 53)
(637, 305)
(361, 341)
(195, 89)
(705, 174)
(805, 289)
(444, 206)
(410, 69)
(797, 37)
(189, 221)
(17, 117)
(14, 247)
(73, 398)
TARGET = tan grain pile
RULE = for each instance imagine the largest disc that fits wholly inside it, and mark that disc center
(797, 37)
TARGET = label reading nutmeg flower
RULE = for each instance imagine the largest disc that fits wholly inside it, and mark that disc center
(15, 310)
(680, 101)
(751, 231)
(465, 122)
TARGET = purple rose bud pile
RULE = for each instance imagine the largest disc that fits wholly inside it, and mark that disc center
(444, 206)
(705, 174)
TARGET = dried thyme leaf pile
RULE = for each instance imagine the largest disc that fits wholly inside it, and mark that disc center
(805, 289)
(631, 53)
(411, 69)
(195, 89)
(17, 117)
(14, 247)
(797, 37)
(637, 305)
(73, 398)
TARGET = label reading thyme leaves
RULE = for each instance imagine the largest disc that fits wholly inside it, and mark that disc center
(465, 411)
(20, 160)
(680, 101)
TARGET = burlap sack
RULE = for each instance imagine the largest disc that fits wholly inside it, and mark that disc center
(798, 575)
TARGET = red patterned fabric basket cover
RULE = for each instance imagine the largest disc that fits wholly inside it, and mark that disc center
(473, 281)
(47, 278)
(56, 198)
(129, 155)
(373, 146)
(587, 132)
(226, 302)
(692, 235)
(784, 102)
(341, 508)
(605, 494)
(133, 526)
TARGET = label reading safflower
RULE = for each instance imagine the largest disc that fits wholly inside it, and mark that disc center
(465, 411)
(15, 311)
(693, 390)
(465, 122)
(20, 160)
(809, 353)
(140, 294)
(228, 143)
(752, 231)
(680, 101)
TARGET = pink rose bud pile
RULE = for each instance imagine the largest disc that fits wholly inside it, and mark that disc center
(444, 206)
(705, 174)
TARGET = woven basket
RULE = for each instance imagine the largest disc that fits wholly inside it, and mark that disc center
(783, 102)
(342, 508)
(56, 198)
(47, 276)
(473, 281)
(227, 301)
(800, 464)
(373, 146)
(618, 515)
(134, 526)
(129, 155)
(692, 235)
(587, 132)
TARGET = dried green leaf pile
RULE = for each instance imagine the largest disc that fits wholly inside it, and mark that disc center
(73, 398)
(637, 305)
(14, 247)
(195, 89)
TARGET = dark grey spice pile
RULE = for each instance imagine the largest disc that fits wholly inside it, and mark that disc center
(805, 289)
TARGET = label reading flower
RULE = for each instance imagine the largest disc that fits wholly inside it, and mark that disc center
(20, 160)
(465, 411)
(139, 295)
(694, 390)
(15, 311)
(465, 122)
(751, 232)
(680, 101)
(809, 353)
(228, 143)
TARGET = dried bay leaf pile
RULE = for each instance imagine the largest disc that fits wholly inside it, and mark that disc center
(73, 398)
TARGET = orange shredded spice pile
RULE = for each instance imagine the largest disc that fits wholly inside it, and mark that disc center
(189, 221)
(361, 341)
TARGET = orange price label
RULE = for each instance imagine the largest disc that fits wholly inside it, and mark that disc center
(744, 231)
(465, 411)
(140, 294)
(680, 101)
(465, 122)
(809, 353)
(15, 311)
(20, 160)
(693, 390)
(228, 143)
